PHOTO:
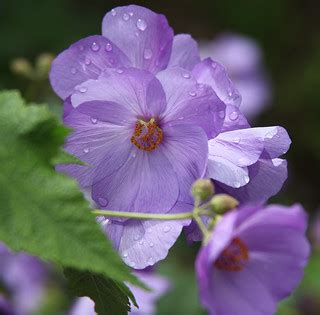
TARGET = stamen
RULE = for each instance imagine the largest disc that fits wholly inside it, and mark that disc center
(233, 257)
(147, 135)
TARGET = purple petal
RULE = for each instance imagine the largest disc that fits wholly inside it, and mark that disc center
(189, 102)
(136, 90)
(146, 182)
(234, 119)
(215, 75)
(185, 52)
(143, 243)
(146, 299)
(82, 61)
(144, 36)
(266, 179)
(185, 146)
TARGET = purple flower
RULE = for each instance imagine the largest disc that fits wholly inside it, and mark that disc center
(145, 299)
(5, 306)
(243, 59)
(24, 277)
(254, 258)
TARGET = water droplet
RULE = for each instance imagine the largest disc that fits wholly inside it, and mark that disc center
(83, 89)
(222, 114)
(151, 244)
(186, 75)
(73, 70)
(86, 150)
(246, 179)
(237, 184)
(230, 92)
(132, 264)
(147, 54)
(166, 228)
(134, 155)
(87, 61)
(119, 71)
(94, 120)
(151, 261)
(95, 46)
(125, 255)
(113, 12)
(149, 230)
(234, 116)
(111, 61)
(126, 16)
(131, 13)
(236, 140)
(141, 25)
(136, 33)
(136, 237)
(243, 161)
(108, 47)
(141, 242)
(200, 86)
(214, 65)
(193, 94)
(102, 202)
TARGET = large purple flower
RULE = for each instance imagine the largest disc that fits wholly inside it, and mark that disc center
(144, 139)
(243, 59)
(145, 299)
(24, 277)
(254, 258)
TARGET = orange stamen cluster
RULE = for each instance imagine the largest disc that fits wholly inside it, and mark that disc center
(233, 257)
(147, 135)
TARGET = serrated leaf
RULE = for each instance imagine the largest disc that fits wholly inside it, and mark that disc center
(41, 211)
(111, 297)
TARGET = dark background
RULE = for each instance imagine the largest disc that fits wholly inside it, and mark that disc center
(289, 34)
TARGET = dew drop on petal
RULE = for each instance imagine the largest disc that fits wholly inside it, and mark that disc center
(151, 244)
(151, 261)
(108, 47)
(125, 255)
(193, 94)
(111, 61)
(131, 13)
(86, 150)
(73, 70)
(237, 184)
(126, 16)
(95, 46)
(87, 61)
(166, 228)
(234, 116)
(83, 89)
(94, 120)
(246, 179)
(136, 237)
(186, 75)
(113, 12)
(147, 54)
(102, 202)
(141, 25)
(230, 92)
(132, 264)
(236, 140)
(141, 242)
(119, 71)
(149, 230)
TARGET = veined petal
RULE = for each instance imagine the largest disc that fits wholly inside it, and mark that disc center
(82, 61)
(185, 52)
(144, 36)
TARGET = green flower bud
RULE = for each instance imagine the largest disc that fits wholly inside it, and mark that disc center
(202, 189)
(43, 64)
(222, 203)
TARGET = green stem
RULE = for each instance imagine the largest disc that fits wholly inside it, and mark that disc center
(143, 216)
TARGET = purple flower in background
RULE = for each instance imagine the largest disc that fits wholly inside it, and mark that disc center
(145, 299)
(254, 258)
(24, 277)
(5, 307)
(242, 58)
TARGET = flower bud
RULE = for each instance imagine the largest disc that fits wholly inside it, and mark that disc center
(222, 203)
(21, 66)
(202, 189)
(43, 64)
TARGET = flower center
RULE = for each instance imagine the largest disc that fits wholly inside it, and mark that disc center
(233, 257)
(147, 135)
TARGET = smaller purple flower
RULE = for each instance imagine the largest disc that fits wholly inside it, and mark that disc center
(242, 58)
(145, 299)
(24, 277)
(254, 258)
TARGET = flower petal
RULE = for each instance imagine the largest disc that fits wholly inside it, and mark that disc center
(82, 61)
(146, 182)
(143, 243)
(136, 90)
(189, 102)
(215, 75)
(234, 119)
(185, 52)
(144, 36)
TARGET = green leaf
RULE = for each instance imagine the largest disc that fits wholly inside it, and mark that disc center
(111, 297)
(42, 211)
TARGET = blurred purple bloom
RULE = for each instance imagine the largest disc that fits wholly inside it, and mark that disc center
(254, 258)
(24, 277)
(5, 307)
(145, 299)
(242, 58)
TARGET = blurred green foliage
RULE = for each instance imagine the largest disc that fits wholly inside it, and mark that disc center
(289, 33)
